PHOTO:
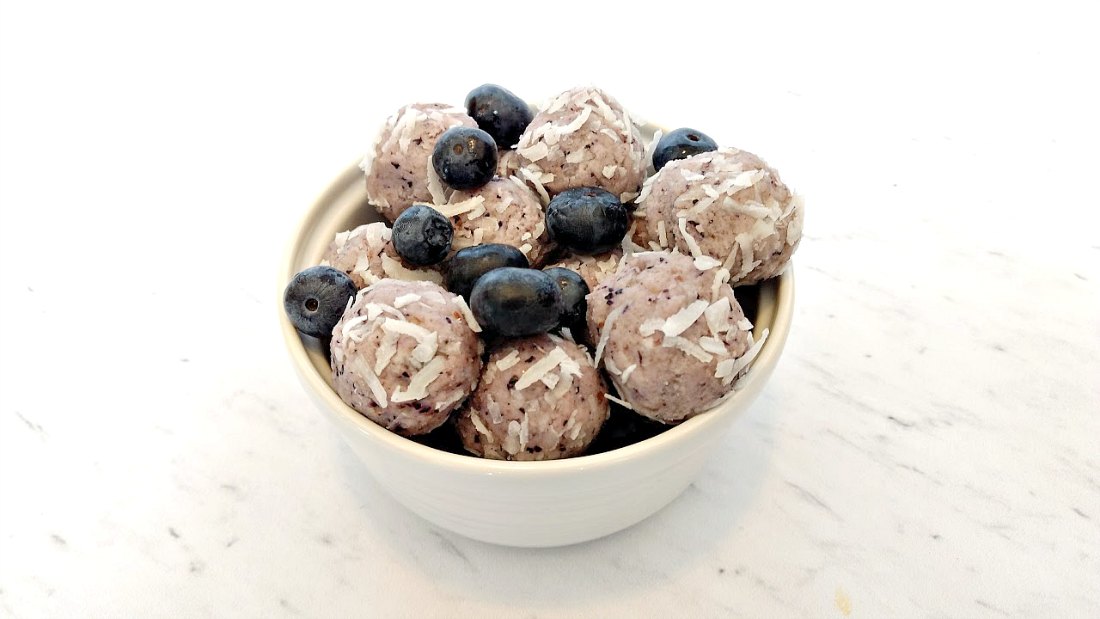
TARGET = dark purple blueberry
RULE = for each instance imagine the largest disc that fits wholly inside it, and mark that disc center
(573, 290)
(681, 144)
(422, 235)
(465, 158)
(516, 302)
(499, 113)
(315, 299)
(469, 263)
(587, 220)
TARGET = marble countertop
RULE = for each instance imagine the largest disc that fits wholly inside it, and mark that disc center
(929, 445)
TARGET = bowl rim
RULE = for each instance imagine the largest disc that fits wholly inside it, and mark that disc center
(760, 370)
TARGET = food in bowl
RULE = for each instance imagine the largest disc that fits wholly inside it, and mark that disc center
(530, 368)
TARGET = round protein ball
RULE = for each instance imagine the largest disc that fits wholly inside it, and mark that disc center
(398, 164)
(727, 205)
(405, 355)
(593, 269)
(539, 398)
(582, 138)
(367, 255)
(671, 336)
(503, 211)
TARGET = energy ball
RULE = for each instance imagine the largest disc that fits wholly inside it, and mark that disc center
(539, 398)
(503, 211)
(405, 355)
(671, 336)
(726, 206)
(582, 138)
(399, 166)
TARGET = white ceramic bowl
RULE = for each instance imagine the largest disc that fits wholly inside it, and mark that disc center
(529, 504)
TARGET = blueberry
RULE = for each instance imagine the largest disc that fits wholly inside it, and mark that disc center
(315, 299)
(468, 264)
(422, 235)
(587, 220)
(465, 158)
(516, 302)
(573, 290)
(681, 144)
(499, 113)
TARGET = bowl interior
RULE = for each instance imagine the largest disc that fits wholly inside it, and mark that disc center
(344, 206)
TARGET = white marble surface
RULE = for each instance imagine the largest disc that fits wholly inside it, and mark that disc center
(928, 446)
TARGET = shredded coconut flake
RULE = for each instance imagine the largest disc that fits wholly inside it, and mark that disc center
(467, 314)
(524, 431)
(717, 316)
(693, 246)
(535, 152)
(405, 299)
(618, 401)
(535, 180)
(540, 368)
(713, 345)
(458, 208)
(378, 392)
(747, 263)
(690, 176)
(706, 263)
(577, 122)
(394, 268)
(662, 234)
(435, 185)
(418, 386)
(609, 171)
(683, 319)
(508, 360)
(611, 367)
(386, 350)
(744, 324)
(525, 248)
(606, 332)
(576, 156)
(480, 426)
(627, 372)
(747, 178)
(652, 146)
(420, 334)
(744, 360)
(456, 396)
(721, 276)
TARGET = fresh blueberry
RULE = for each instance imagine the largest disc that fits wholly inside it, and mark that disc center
(422, 235)
(469, 263)
(465, 158)
(587, 220)
(516, 302)
(681, 144)
(499, 113)
(573, 290)
(315, 299)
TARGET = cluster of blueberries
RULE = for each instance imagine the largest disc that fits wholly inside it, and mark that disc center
(508, 297)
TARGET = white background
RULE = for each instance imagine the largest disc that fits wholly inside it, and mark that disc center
(927, 447)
